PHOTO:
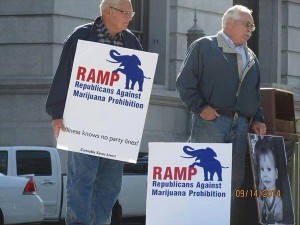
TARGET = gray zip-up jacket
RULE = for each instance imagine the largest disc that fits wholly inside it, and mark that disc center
(212, 74)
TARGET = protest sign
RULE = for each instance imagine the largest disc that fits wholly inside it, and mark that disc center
(272, 187)
(107, 101)
(189, 183)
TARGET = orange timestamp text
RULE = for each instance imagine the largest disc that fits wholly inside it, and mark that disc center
(244, 193)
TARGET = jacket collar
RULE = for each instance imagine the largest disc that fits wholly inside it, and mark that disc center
(93, 32)
(223, 43)
(229, 42)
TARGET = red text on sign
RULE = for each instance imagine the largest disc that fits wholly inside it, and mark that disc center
(173, 173)
(97, 76)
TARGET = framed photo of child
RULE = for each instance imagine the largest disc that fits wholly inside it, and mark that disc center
(271, 182)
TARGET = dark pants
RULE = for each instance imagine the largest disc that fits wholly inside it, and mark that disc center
(116, 216)
(248, 208)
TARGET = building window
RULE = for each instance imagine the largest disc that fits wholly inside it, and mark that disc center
(139, 24)
(34, 162)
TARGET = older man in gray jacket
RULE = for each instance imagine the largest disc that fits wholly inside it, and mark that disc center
(219, 83)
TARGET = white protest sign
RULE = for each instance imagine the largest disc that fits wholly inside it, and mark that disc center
(189, 183)
(107, 101)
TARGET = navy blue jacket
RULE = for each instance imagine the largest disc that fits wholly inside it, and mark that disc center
(59, 89)
(211, 75)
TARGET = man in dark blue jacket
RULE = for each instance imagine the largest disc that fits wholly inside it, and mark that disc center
(93, 183)
(219, 83)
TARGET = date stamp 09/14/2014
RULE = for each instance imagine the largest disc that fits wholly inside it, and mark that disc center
(244, 193)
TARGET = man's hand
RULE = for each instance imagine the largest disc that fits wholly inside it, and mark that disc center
(259, 128)
(57, 125)
(209, 113)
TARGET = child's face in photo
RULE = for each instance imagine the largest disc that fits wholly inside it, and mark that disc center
(268, 171)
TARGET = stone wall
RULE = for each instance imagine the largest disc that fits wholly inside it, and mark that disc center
(290, 70)
(31, 38)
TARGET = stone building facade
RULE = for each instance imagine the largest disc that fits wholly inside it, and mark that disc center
(31, 39)
(32, 33)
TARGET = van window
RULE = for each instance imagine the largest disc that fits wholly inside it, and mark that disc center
(34, 162)
(3, 162)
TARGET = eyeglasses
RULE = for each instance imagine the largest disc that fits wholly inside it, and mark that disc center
(125, 13)
(247, 24)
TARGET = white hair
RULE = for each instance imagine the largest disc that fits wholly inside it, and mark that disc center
(105, 3)
(234, 13)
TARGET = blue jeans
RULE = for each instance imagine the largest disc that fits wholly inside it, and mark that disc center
(93, 186)
(226, 130)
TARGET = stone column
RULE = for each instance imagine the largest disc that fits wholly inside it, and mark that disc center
(194, 33)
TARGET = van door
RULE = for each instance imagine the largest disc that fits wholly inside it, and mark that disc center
(42, 165)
